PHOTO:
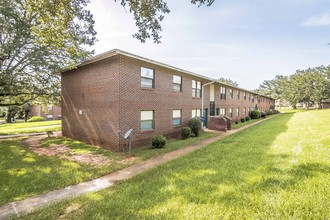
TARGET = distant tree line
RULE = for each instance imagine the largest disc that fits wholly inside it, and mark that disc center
(305, 86)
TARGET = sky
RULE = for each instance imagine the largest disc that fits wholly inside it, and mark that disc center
(247, 41)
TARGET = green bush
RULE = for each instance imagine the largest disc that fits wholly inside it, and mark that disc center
(236, 121)
(269, 112)
(185, 132)
(158, 141)
(255, 114)
(195, 125)
(242, 120)
(247, 118)
(36, 118)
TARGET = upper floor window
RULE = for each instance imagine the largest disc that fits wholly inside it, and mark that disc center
(231, 94)
(176, 117)
(238, 94)
(177, 83)
(196, 89)
(223, 93)
(147, 120)
(244, 95)
(249, 96)
(50, 107)
(147, 78)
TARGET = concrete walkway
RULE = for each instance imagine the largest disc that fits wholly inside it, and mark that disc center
(28, 205)
(20, 135)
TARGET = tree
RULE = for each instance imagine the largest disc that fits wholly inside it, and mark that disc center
(148, 15)
(228, 82)
(37, 38)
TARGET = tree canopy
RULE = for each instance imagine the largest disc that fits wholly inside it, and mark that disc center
(228, 81)
(37, 38)
(310, 85)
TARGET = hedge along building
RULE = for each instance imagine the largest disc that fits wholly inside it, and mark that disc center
(113, 92)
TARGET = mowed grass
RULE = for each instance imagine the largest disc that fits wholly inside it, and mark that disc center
(278, 169)
(24, 174)
(30, 127)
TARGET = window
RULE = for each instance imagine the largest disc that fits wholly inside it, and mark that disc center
(238, 94)
(222, 111)
(244, 95)
(176, 117)
(196, 113)
(223, 93)
(147, 78)
(249, 111)
(237, 111)
(231, 94)
(218, 111)
(249, 96)
(147, 120)
(231, 112)
(177, 83)
(50, 108)
(244, 111)
(196, 89)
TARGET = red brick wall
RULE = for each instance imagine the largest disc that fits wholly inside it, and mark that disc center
(55, 111)
(93, 89)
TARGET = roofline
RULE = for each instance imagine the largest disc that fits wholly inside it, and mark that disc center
(115, 52)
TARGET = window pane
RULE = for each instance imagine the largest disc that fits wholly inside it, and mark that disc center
(193, 84)
(199, 85)
(176, 121)
(193, 113)
(146, 82)
(198, 112)
(193, 92)
(198, 93)
(177, 79)
(146, 125)
(176, 87)
(176, 113)
(147, 73)
(147, 115)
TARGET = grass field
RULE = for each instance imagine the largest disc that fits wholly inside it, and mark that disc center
(30, 127)
(279, 169)
(24, 173)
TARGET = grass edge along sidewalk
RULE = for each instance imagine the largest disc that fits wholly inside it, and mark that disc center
(33, 203)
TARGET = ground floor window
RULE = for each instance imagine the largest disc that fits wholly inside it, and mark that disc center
(222, 111)
(147, 120)
(244, 111)
(196, 113)
(176, 117)
(237, 111)
(231, 112)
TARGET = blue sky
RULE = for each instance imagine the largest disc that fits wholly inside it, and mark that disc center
(247, 41)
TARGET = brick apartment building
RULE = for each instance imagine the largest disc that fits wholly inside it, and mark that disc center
(116, 91)
(52, 112)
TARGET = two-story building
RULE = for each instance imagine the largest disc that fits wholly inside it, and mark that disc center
(116, 91)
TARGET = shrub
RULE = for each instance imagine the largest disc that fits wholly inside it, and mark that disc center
(247, 118)
(263, 114)
(36, 118)
(236, 121)
(158, 141)
(185, 132)
(242, 120)
(195, 125)
(269, 112)
(255, 114)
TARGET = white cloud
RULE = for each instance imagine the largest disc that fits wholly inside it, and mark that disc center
(318, 20)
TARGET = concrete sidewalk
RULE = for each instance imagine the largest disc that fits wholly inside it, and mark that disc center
(28, 205)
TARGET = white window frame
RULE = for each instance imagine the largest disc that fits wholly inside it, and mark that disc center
(177, 83)
(196, 88)
(144, 117)
(176, 115)
(145, 76)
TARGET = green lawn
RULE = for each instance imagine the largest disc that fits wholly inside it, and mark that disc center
(30, 127)
(24, 173)
(278, 169)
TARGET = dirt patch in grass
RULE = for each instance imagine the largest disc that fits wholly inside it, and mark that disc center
(64, 152)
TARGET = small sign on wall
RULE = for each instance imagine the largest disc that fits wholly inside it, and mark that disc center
(80, 112)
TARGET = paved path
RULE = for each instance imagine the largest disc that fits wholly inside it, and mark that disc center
(20, 135)
(30, 204)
